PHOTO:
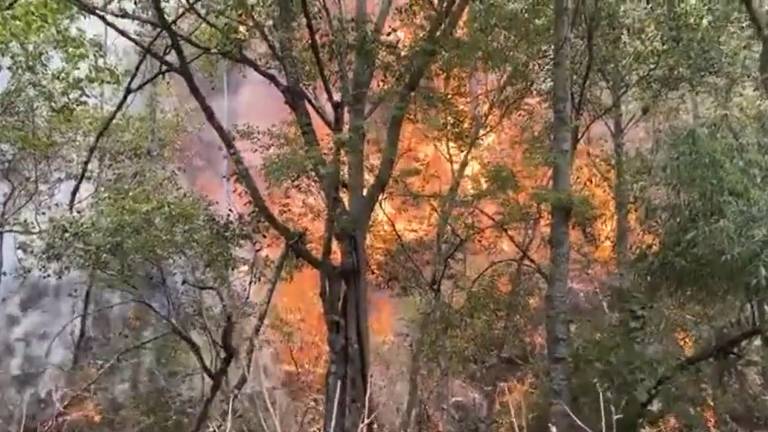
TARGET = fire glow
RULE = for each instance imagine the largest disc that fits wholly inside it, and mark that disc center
(297, 301)
(407, 212)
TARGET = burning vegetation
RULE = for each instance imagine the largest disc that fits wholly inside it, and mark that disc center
(426, 215)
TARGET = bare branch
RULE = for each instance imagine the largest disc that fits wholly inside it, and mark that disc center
(263, 310)
(726, 346)
(60, 409)
(267, 400)
(78, 317)
(315, 46)
(591, 23)
(102, 17)
(523, 251)
(442, 26)
(448, 203)
(107, 123)
(111, 363)
(576, 419)
(339, 53)
(230, 352)
(403, 245)
(496, 263)
(193, 346)
(218, 377)
(83, 323)
(243, 173)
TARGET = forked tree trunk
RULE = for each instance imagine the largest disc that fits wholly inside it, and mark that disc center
(558, 332)
(347, 398)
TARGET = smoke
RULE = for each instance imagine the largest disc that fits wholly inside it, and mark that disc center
(239, 98)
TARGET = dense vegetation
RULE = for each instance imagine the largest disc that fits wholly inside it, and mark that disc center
(422, 215)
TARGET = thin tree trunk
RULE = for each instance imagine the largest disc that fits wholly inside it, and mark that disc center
(412, 399)
(78, 350)
(557, 328)
(621, 194)
(335, 388)
(628, 301)
(758, 18)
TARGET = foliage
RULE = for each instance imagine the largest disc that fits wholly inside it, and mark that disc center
(52, 70)
(710, 209)
(132, 225)
(459, 229)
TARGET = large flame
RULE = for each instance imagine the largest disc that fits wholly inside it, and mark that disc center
(408, 213)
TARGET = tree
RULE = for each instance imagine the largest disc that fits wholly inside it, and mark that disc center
(352, 67)
(674, 63)
(558, 331)
(170, 257)
(42, 124)
(460, 232)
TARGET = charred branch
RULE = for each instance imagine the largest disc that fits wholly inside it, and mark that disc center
(720, 349)
(83, 324)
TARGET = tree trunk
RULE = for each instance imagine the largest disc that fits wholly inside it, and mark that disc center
(621, 194)
(414, 370)
(558, 332)
(347, 400)
(758, 18)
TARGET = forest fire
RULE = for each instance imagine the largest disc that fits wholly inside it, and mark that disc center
(299, 329)
(445, 215)
(408, 213)
(481, 189)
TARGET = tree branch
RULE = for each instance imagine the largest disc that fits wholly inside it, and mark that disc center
(83, 323)
(107, 123)
(315, 47)
(217, 380)
(441, 28)
(758, 20)
(340, 53)
(244, 175)
(536, 266)
(111, 363)
(101, 15)
(591, 24)
(403, 245)
(79, 317)
(709, 353)
(261, 319)
(181, 334)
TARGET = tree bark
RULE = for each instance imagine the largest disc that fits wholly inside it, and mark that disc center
(621, 194)
(557, 328)
(414, 371)
(347, 399)
(344, 289)
(758, 19)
